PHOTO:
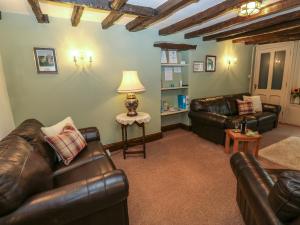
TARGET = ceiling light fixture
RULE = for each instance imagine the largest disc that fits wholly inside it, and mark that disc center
(250, 8)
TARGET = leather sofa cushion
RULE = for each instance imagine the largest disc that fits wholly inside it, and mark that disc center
(219, 107)
(232, 106)
(265, 117)
(30, 130)
(23, 172)
(284, 197)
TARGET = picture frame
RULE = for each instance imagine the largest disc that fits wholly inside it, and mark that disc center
(211, 63)
(172, 57)
(45, 60)
(198, 66)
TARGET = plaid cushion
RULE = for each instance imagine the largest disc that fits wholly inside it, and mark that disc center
(67, 144)
(245, 107)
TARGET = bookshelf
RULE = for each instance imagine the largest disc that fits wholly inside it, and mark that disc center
(174, 82)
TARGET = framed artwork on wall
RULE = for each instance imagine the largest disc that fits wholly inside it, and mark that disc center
(198, 66)
(45, 60)
(211, 63)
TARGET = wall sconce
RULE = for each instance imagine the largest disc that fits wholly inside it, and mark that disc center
(82, 57)
(230, 60)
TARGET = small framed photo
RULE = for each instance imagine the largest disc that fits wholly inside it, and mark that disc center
(198, 66)
(211, 63)
(45, 60)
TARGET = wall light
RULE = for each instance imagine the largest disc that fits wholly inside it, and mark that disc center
(82, 57)
(229, 60)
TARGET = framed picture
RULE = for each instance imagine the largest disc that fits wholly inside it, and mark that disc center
(45, 60)
(198, 66)
(211, 63)
(173, 58)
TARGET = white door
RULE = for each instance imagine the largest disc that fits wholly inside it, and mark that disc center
(271, 73)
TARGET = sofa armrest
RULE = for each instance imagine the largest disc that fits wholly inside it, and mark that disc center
(71, 202)
(271, 108)
(208, 118)
(90, 134)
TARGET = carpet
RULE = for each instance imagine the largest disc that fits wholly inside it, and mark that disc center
(185, 180)
(285, 153)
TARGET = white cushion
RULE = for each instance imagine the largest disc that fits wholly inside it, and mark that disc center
(58, 128)
(257, 105)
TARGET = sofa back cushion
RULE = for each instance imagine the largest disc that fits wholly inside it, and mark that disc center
(284, 197)
(30, 130)
(23, 172)
(214, 105)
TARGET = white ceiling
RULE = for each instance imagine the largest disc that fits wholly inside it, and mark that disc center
(63, 11)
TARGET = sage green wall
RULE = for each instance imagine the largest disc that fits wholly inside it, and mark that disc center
(88, 95)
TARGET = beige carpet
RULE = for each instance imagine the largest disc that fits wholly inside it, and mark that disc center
(186, 180)
(285, 153)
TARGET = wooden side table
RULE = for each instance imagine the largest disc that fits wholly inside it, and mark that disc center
(126, 121)
(245, 139)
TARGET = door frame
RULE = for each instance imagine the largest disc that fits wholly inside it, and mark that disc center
(285, 100)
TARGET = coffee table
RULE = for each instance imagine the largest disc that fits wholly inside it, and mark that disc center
(238, 137)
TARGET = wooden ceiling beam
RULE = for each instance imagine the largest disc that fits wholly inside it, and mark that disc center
(274, 40)
(105, 5)
(202, 17)
(262, 37)
(282, 27)
(40, 17)
(76, 15)
(255, 26)
(163, 10)
(113, 15)
(265, 11)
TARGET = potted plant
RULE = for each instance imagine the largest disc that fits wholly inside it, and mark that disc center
(295, 94)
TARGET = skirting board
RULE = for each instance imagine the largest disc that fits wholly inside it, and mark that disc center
(176, 126)
(133, 142)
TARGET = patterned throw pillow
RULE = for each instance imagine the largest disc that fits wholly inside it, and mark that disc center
(245, 107)
(68, 144)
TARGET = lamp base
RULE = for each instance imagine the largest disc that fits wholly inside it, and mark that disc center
(131, 104)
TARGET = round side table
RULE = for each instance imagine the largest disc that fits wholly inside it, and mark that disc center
(126, 121)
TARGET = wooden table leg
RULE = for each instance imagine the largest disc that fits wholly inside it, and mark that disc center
(235, 145)
(125, 142)
(144, 140)
(256, 148)
(227, 144)
(245, 146)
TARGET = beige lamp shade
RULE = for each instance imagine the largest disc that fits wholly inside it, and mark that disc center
(130, 83)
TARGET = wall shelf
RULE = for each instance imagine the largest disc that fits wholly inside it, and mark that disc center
(167, 113)
(174, 88)
(173, 46)
(176, 65)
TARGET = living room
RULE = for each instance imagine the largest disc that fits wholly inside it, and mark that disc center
(211, 93)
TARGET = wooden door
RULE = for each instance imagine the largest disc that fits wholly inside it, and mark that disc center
(272, 71)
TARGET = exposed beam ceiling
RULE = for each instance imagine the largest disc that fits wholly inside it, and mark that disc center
(255, 26)
(291, 25)
(265, 11)
(113, 15)
(105, 5)
(164, 10)
(76, 15)
(40, 17)
(202, 17)
(266, 37)
(274, 40)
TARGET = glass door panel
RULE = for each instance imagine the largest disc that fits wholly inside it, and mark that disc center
(278, 70)
(264, 70)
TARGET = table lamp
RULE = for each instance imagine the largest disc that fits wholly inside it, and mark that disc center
(131, 84)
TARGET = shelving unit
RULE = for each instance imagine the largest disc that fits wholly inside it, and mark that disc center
(170, 89)
(167, 113)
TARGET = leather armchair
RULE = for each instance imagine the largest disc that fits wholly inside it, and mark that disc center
(253, 188)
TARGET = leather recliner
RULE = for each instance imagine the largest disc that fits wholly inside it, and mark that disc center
(211, 116)
(36, 189)
(257, 192)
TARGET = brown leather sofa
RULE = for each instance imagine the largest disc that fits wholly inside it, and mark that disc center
(36, 189)
(266, 197)
(211, 116)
